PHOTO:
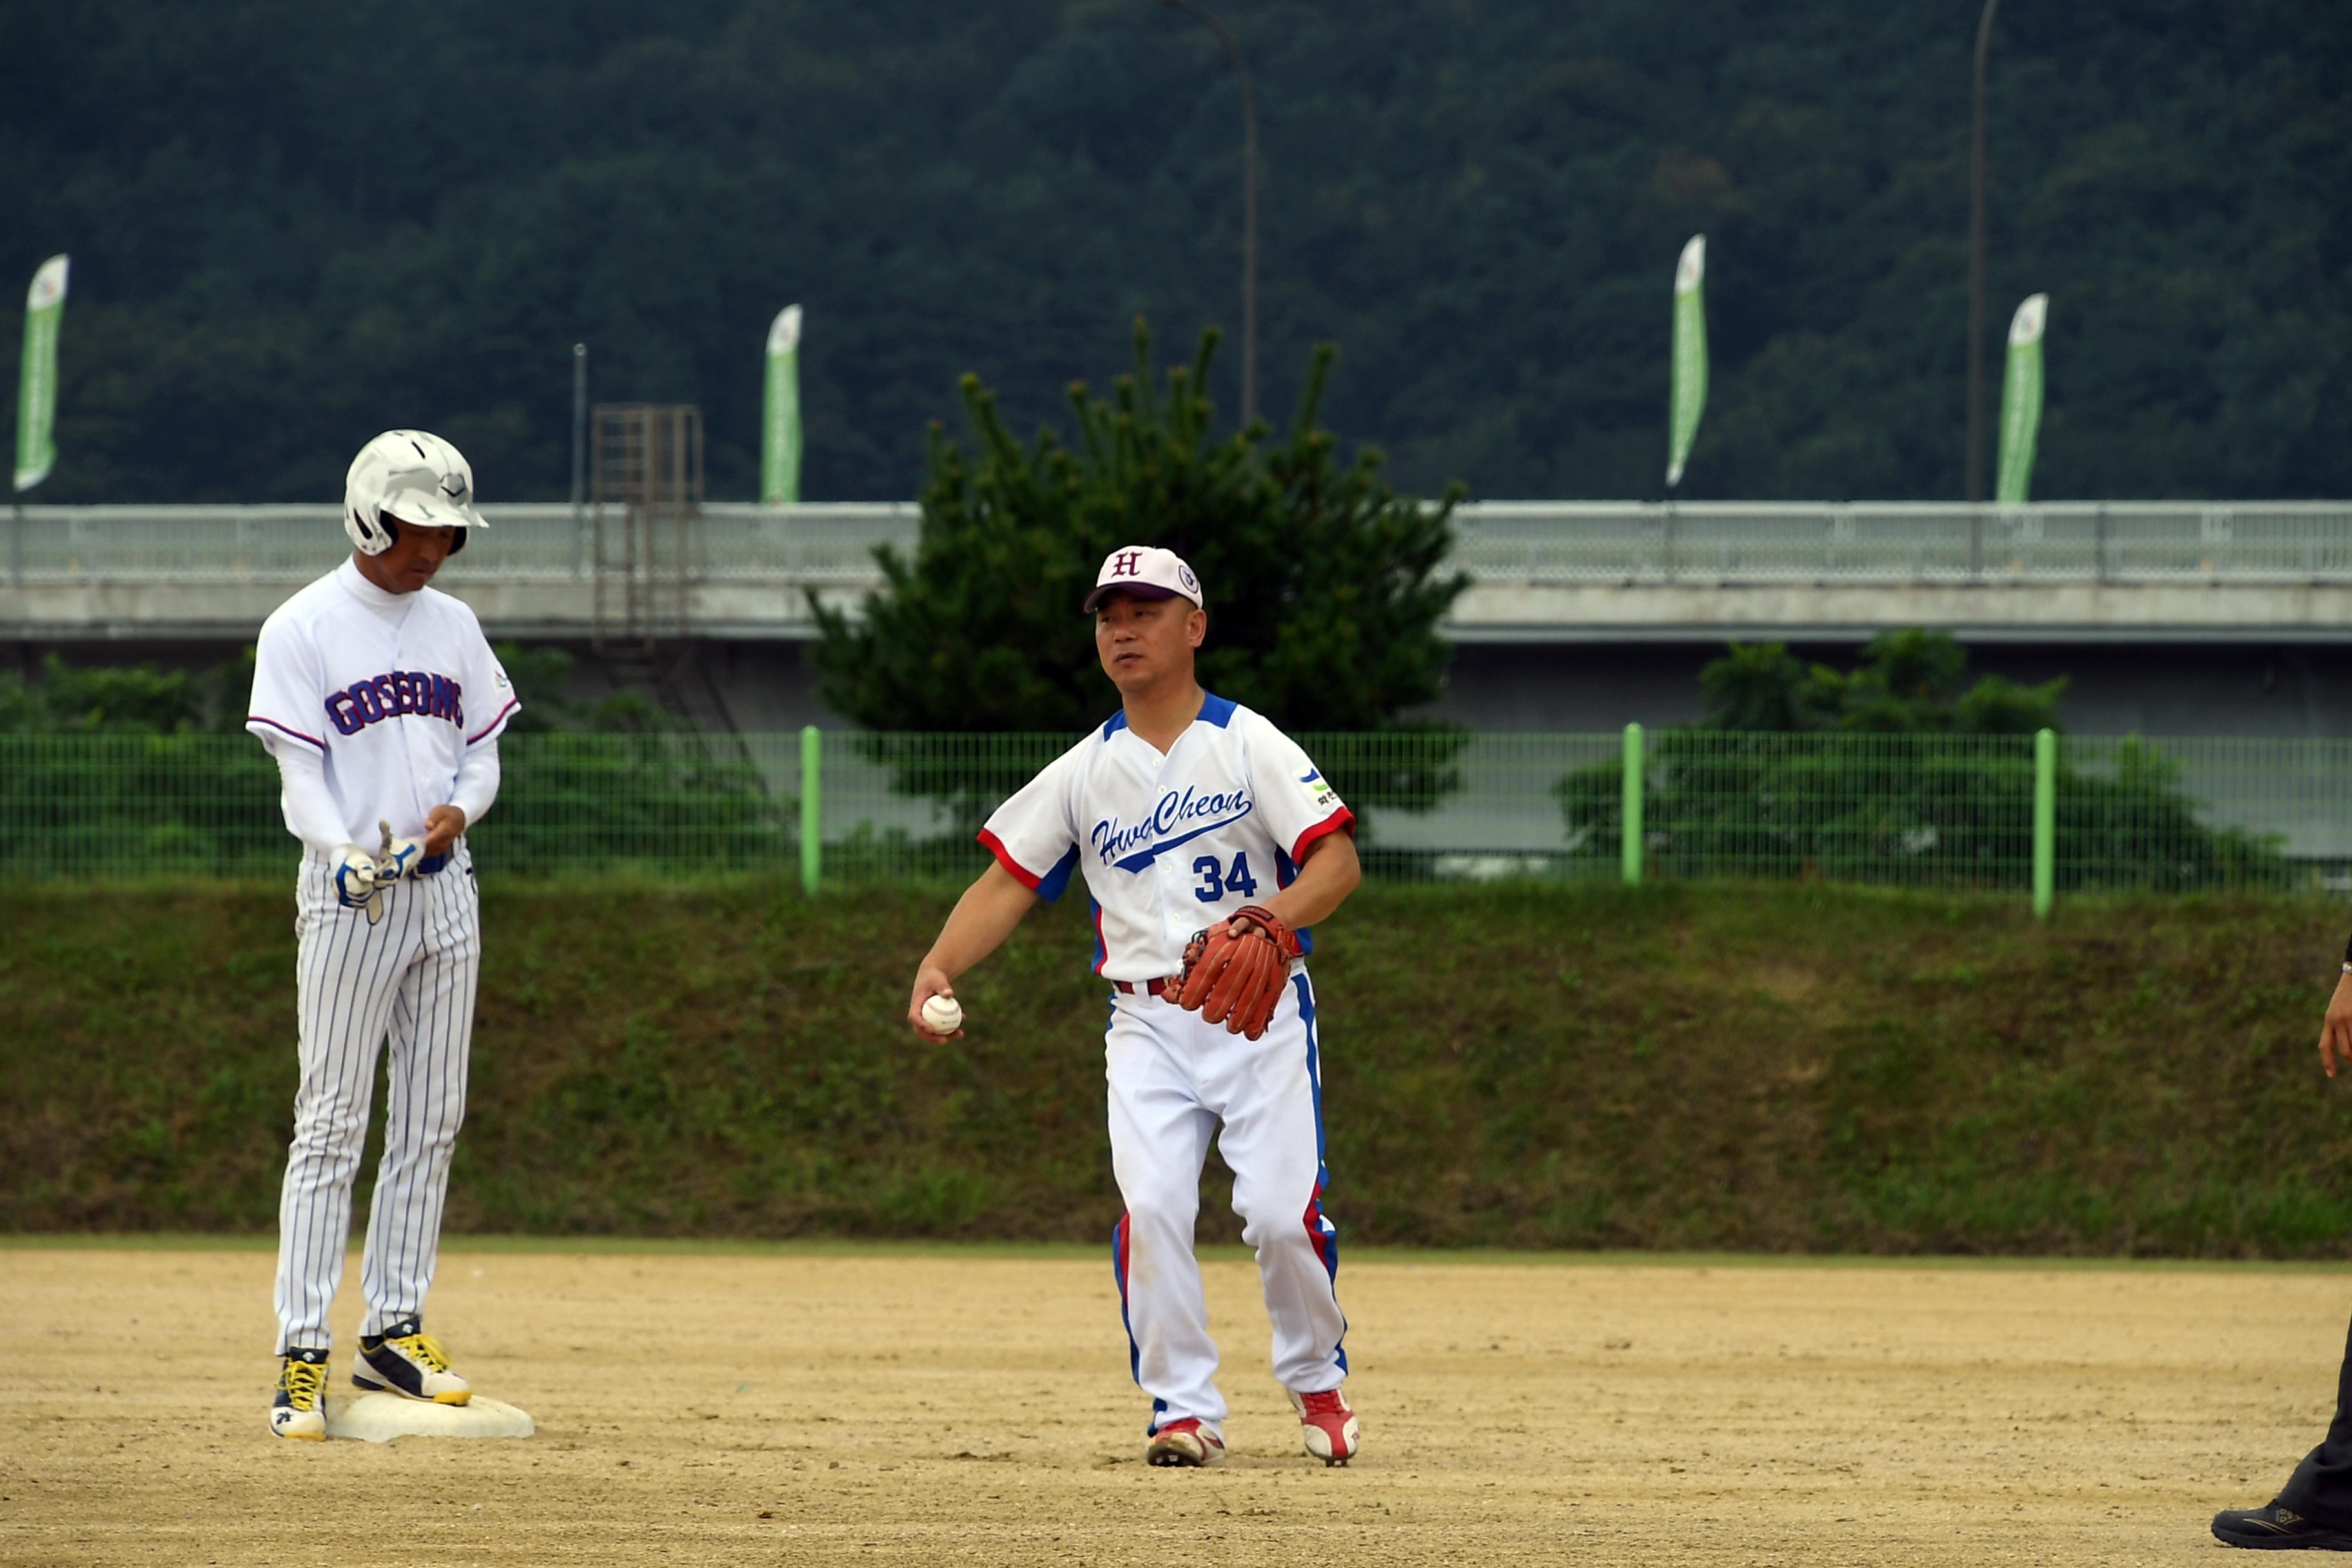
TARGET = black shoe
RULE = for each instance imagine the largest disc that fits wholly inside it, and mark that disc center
(300, 1407)
(406, 1359)
(2276, 1528)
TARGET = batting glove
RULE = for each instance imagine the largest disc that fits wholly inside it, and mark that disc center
(356, 877)
(399, 859)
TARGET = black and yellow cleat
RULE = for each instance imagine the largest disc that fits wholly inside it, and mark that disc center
(2276, 1528)
(299, 1409)
(405, 1360)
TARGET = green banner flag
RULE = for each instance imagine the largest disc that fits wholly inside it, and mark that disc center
(2021, 401)
(1688, 399)
(780, 439)
(37, 393)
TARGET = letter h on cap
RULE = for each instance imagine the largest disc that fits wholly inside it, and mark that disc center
(1126, 563)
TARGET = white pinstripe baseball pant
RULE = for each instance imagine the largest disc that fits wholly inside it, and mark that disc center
(411, 979)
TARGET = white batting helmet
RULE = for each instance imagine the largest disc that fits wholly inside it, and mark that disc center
(408, 476)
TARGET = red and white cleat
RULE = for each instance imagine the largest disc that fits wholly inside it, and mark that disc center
(1186, 1443)
(1327, 1426)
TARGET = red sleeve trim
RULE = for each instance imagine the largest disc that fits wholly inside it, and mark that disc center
(1020, 873)
(257, 718)
(1338, 820)
(512, 703)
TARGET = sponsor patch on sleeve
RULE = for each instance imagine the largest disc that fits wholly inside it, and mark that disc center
(1317, 790)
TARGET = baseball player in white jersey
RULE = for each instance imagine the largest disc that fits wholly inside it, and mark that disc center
(1209, 843)
(382, 704)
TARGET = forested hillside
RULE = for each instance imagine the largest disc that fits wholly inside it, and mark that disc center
(293, 225)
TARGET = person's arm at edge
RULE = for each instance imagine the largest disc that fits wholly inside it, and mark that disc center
(2336, 1028)
(977, 926)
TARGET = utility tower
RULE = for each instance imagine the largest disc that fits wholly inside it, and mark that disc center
(647, 494)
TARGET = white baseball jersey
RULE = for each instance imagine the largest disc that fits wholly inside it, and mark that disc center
(393, 689)
(1168, 845)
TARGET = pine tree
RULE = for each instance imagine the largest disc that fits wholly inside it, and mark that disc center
(1324, 587)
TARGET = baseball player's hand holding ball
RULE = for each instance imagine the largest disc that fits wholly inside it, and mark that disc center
(933, 1009)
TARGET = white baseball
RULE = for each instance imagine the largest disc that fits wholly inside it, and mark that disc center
(944, 1015)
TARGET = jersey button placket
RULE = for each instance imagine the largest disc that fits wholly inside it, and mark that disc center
(1180, 913)
(407, 739)
(1153, 762)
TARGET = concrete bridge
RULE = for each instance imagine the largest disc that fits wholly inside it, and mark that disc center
(1544, 573)
(2187, 618)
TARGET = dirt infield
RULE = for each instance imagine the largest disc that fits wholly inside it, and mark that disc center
(973, 1408)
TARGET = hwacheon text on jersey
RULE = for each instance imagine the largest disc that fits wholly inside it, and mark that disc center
(393, 696)
(1191, 809)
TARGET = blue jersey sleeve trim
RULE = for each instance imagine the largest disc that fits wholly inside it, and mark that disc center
(1286, 872)
(1217, 711)
(1114, 724)
(1050, 885)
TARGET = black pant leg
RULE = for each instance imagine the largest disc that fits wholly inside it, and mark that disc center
(2321, 1486)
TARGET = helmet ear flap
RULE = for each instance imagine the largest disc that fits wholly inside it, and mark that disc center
(373, 538)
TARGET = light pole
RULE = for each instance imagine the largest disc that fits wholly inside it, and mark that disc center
(1249, 202)
(579, 425)
(579, 455)
(1977, 261)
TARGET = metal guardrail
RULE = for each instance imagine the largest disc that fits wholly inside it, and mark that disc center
(1502, 544)
(1918, 810)
(817, 545)
(1863, 541)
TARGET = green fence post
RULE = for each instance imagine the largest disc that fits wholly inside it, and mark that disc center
(1630, 850)
(2045, 822)
(811, 809)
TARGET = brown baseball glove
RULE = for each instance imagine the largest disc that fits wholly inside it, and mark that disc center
(1234, 971)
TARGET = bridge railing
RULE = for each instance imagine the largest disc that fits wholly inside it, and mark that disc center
(1865, 542)
(524, 543)
(1501, 544)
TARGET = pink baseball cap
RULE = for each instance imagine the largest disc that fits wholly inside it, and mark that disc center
(1147, 571)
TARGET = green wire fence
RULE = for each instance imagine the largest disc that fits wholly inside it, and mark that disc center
(2034, 814)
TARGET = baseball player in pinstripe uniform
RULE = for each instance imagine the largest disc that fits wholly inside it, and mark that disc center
(1209, 843)
(382, 703)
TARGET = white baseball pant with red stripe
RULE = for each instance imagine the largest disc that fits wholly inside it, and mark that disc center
(1175, 1082)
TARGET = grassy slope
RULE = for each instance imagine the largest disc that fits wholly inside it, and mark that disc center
(1785, 1068)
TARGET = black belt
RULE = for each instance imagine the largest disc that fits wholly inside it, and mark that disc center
(431, 864)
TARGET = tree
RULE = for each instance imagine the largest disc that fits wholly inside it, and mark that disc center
(1484, 212)
(1908, 682)
(125, 700)
(1324, 587)
(620, 780)
(1897, 772)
